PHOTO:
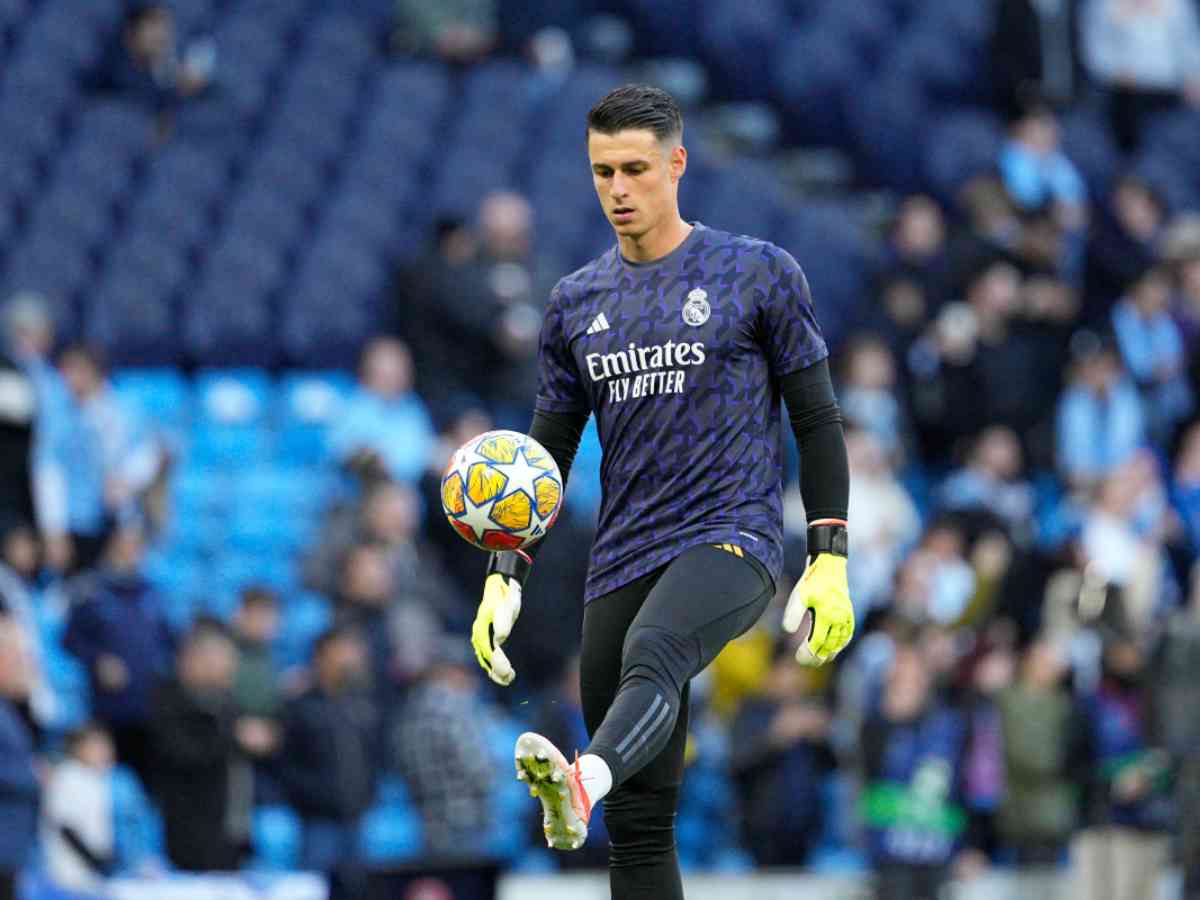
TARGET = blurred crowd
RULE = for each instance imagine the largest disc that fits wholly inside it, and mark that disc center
(1019, 398)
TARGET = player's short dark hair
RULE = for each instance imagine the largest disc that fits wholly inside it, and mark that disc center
(637, 106)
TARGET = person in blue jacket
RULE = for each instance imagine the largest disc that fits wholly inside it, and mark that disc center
(913, 748)
(20, 789)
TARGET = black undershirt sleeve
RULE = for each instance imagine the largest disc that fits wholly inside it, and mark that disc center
(560, 434)
(817, 424)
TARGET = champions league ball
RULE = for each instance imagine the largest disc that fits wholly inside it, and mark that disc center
(502, 491)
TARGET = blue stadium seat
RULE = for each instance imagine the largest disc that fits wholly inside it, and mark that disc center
(161, 394)
(365, 216)
(277, 834)
(190, 171)
(959, 147)
(306, 615)
(41, 262)
(282, 167)
(811, 71)
(159, 212)
(116, 123)
(133, 320)
(309, 403)
(420, 87)
(73, 215)
(320, 328)
(143, 254)
(18, 176)
(233, 397)
(96, 167)
(65, 36)
(27, 124)
(391, 833)
(880, 118)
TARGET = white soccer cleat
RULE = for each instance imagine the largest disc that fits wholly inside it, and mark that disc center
(565, 804)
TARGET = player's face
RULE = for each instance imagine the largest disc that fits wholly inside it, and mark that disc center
(637, 178)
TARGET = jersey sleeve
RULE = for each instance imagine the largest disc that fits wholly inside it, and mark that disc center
(560, 389)
(788, 328)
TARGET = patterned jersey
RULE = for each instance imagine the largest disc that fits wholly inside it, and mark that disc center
(680, 361)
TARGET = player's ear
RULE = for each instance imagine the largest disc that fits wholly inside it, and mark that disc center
(677, 163)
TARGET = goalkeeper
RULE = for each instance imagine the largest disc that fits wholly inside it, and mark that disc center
(681, 339)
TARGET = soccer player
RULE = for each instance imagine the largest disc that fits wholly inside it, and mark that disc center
(681, 340)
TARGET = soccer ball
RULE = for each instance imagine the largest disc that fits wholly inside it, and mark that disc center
(502, 491)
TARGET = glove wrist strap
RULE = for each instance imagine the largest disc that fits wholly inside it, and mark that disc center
(516, 564)
(828, 536)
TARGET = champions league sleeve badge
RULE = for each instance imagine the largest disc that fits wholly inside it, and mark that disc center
(696, 309)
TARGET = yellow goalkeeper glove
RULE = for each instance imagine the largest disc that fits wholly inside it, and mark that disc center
(823, 590)
(498, 611)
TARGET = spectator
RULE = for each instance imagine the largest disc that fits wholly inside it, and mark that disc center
(149, 68)
(868, 395)
(1038, 813)
(1034, 50)
(100, 462)
(19, 788)
(77, 820)
(1147, 54)
(389, 517)
(917, 245)
(780, 759)
(993, 226)
(979, 364)
(18, 419)
(1122, 538)
(458, 31)
(117, 628)
(437, 743)
(329, 759)
(487, 290)
(255, 627)
(991, 481)
(20, 571)
(1181, 250)
(912, 749)
(1173, 681)
(1186, 487)
(886, 521)
(385, 430)
(1122, 245)
(29, 337)
(1127, 805)
(203, 786)
(1037, 173)
(1100, 420)
(1152, 349)
(366, 593)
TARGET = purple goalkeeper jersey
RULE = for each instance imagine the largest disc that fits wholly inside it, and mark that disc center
(680, 360)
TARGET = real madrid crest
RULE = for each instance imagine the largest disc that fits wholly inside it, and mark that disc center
(696, 309)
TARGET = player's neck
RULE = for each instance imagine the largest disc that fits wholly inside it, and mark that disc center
(655, 243)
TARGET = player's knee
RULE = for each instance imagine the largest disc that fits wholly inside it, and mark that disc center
(662, 656)
(641, 825)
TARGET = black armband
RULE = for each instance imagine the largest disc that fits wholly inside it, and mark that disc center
(828, 536)
(516, 564)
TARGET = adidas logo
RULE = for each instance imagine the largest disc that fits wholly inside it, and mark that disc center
(598, 325)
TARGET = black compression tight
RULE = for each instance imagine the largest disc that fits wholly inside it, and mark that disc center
(642, 644)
